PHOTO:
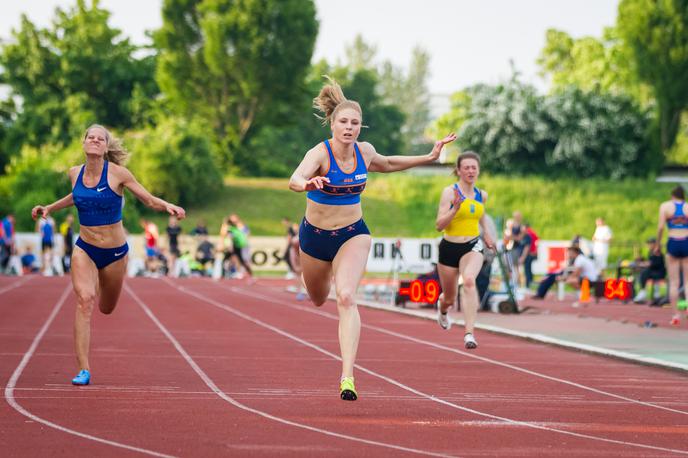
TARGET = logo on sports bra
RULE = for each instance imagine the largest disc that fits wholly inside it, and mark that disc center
(101, 189)
(361, 176)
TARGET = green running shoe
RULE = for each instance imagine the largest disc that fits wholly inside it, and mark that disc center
(347, 390)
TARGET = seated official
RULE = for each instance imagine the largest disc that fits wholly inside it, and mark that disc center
(652, 269)
(580, 267)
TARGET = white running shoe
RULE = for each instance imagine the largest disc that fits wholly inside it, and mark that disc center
(443, 319)
(469, 341)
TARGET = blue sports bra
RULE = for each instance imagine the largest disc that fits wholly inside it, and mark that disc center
(679, 220)
(97, 206)
(344, 188)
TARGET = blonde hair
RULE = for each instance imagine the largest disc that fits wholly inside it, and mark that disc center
(115, 152)
(331, 100)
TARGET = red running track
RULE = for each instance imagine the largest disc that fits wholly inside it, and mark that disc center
(201, 368)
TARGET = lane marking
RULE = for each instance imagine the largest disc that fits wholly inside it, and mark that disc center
(211, 384)
(410, 389)
(454, 350)
(12, 383)
(16, 284)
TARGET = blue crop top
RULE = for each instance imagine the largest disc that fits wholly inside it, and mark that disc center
(679, 220)
(97, 206)
(344, 188)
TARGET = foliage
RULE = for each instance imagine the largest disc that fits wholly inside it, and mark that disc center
(174, 161)
(78, 71)
(586, 134)
(234, 63)
(30, 181)
(657, 33)
(597, 65)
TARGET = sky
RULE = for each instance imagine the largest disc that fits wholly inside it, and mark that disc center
(469, 41)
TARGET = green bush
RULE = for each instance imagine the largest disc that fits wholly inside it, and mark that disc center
(175, 162)
(31, 180)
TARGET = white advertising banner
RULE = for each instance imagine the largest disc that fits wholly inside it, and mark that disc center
(386, 254)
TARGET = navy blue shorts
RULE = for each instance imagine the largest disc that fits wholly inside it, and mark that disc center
(678, 248)
(323, 244)
(103, 257)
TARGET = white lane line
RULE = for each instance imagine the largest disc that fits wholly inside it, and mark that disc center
(16, 284)
(459, 352)
(211, 384)
(12, 383)
(413, 390)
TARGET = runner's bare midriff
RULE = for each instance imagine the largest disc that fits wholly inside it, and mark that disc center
(108, 236)
(331, 217)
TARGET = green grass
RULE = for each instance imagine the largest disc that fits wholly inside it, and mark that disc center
(405, 205)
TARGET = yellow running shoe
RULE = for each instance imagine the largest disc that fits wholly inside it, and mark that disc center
(347, 390)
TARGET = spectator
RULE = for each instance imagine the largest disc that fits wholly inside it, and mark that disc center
(67, 231)
(205, 253)
(200, 229)
(28, 261)
(292, 231)
(6, 241)
(238, 233)
(600, 243)
(151, 235)
(46, 228)
(653, 269)
(530, 240)
(513, 235)
(580, 267)
(173, 230)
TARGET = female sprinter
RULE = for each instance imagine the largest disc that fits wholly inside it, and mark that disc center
(460, 215)
(99, 259)
(333, 237)
(674, 215)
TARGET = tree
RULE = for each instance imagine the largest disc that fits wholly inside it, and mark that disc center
(409, 92)
(234, 63)
(589, 63)
(569, 133)
(77, 72)
(657, 33)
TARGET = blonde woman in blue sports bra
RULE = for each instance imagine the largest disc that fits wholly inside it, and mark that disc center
(460, 217)
(673, 214)
(99, 259)
(333, 238)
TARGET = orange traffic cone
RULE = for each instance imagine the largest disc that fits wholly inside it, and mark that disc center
(584, 291)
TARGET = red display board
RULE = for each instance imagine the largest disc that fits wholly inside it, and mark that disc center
(422, 291)
(617, 289)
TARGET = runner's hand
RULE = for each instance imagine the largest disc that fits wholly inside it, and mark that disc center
(39, 211)
(458, 199)
(439, 144)
(315, 183)
(174, 210)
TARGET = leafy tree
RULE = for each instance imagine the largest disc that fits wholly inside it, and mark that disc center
(31, 180)
(409, 92)
(569, 133)
(598, 134)
(174, 160)
(277, 150)
(657, 33)
(234, 63)
(602, 65)
(78, 71)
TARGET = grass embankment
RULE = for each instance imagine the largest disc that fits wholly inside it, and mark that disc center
(405, 205)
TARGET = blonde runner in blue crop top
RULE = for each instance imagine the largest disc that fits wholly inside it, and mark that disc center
(333, 238)
(99, 259)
